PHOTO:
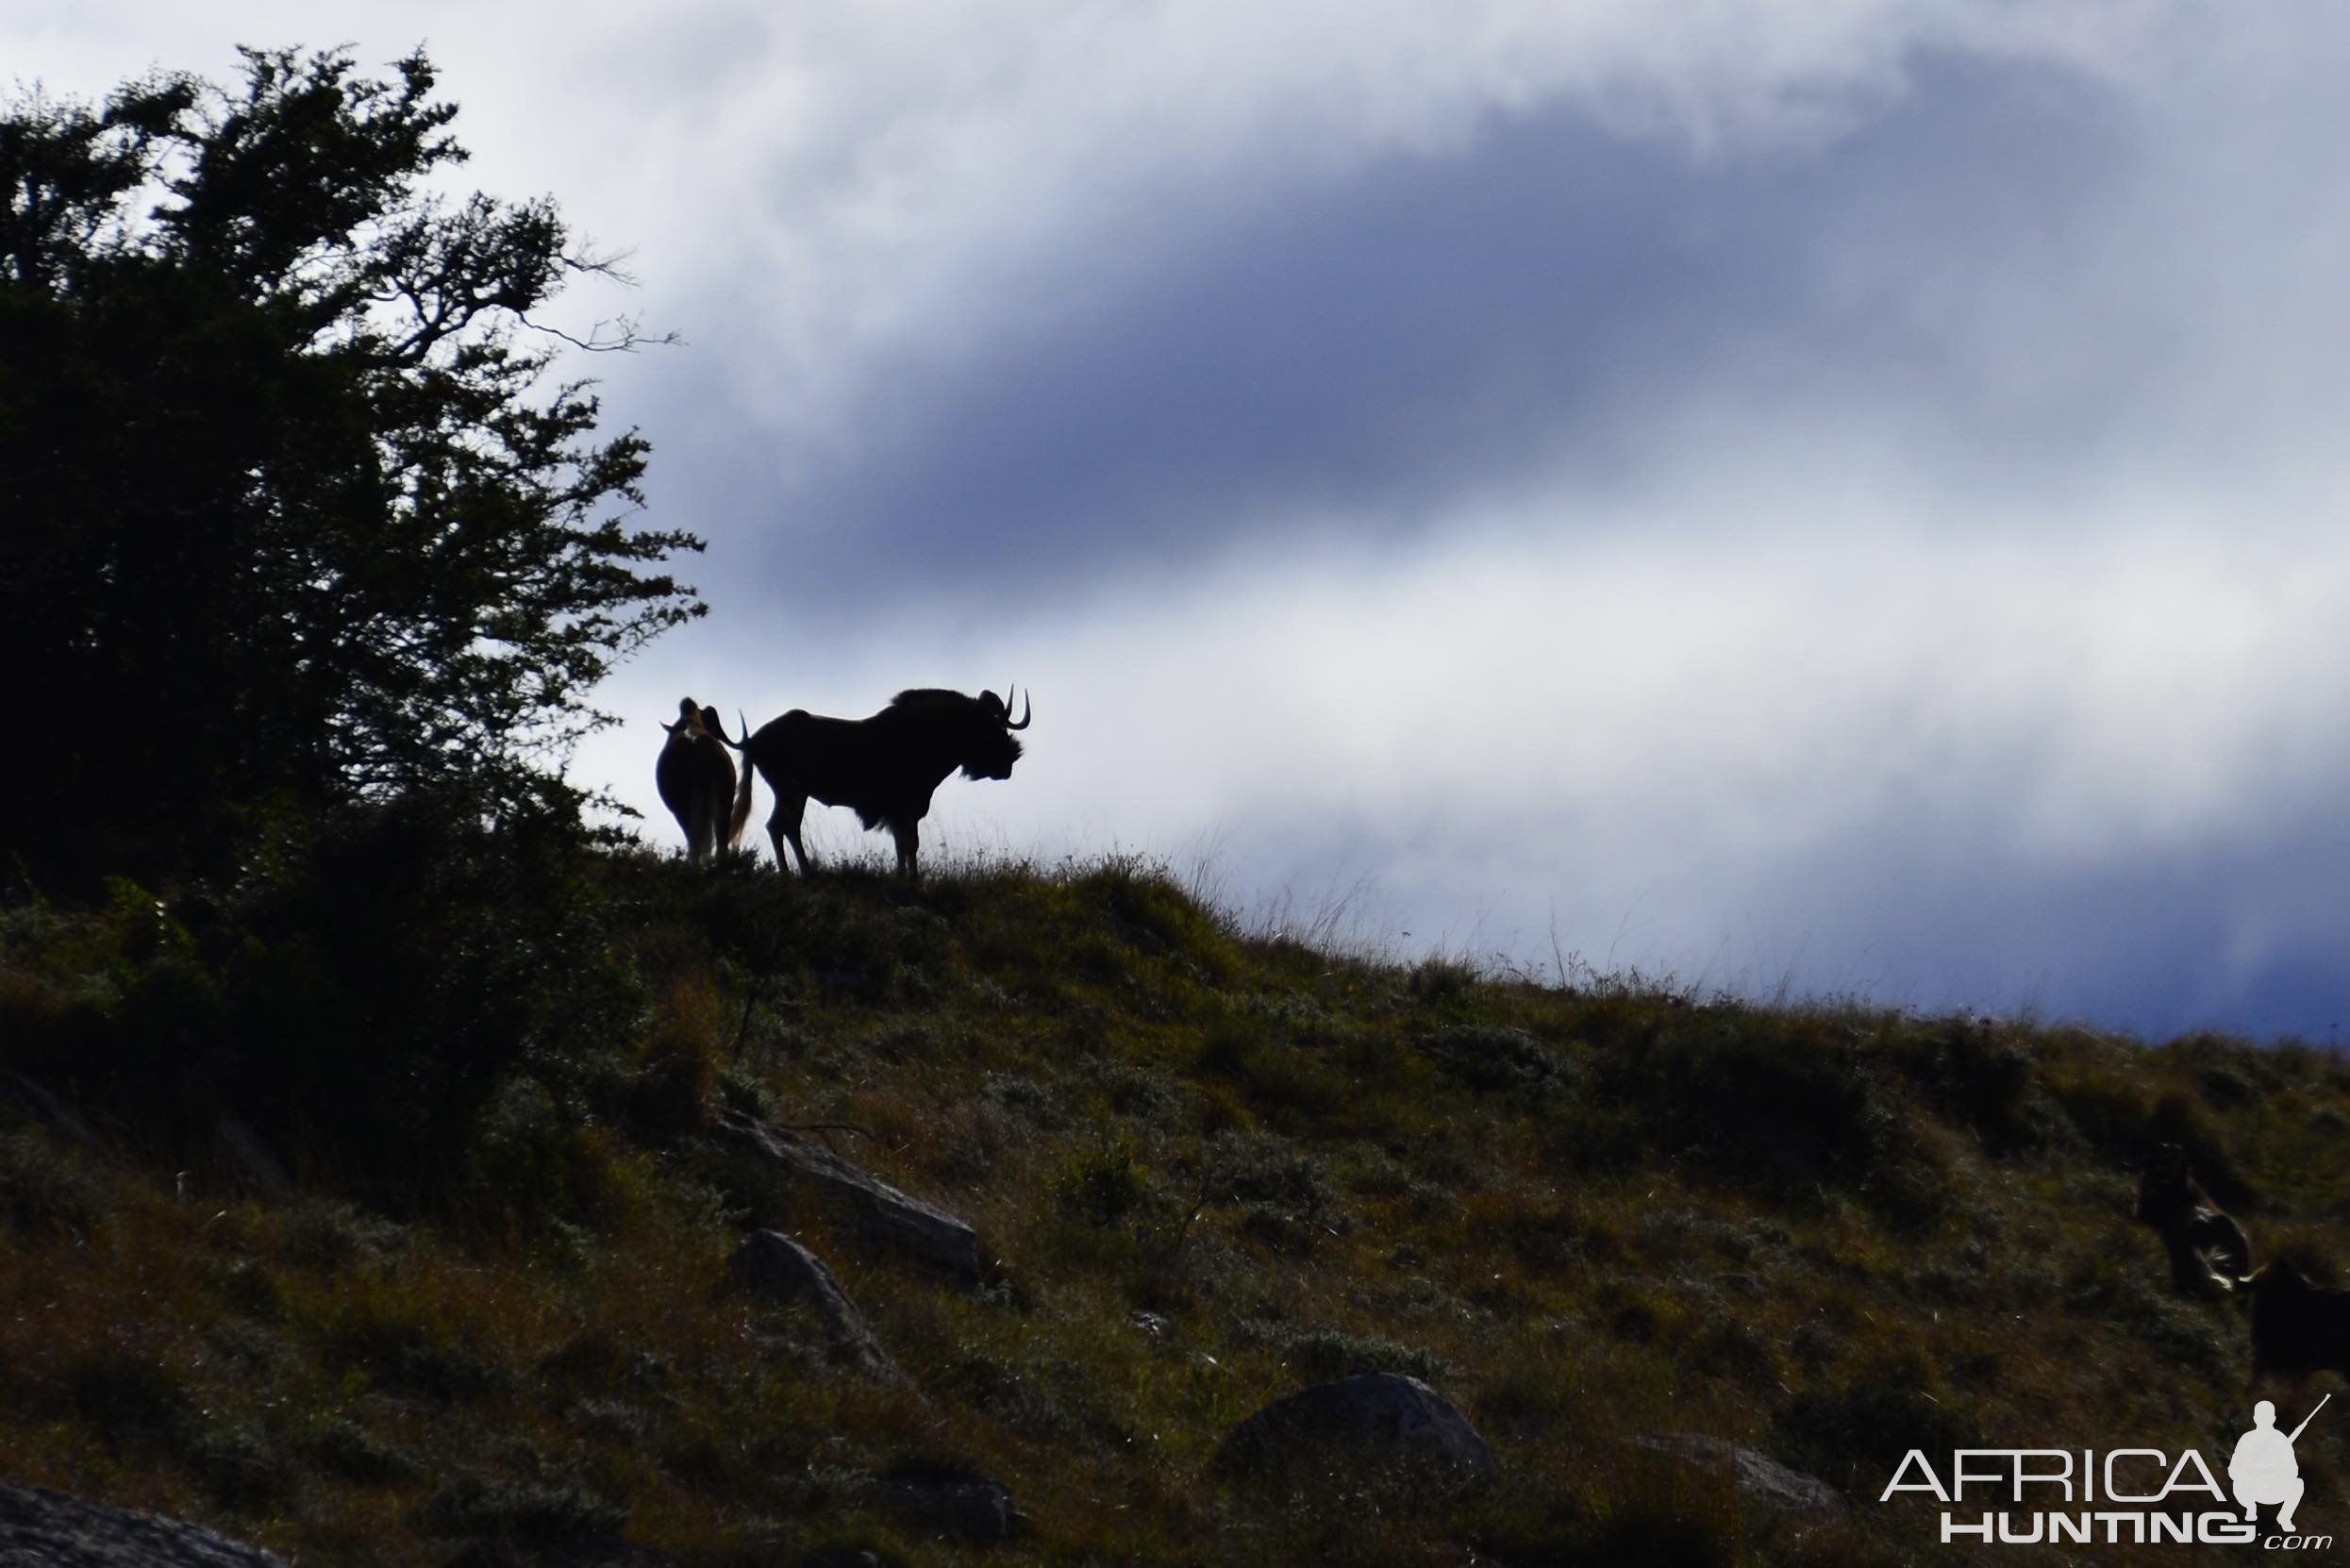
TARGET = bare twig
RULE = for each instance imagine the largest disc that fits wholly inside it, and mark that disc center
(743, 1029)
(625, 339)
(1174, 1247)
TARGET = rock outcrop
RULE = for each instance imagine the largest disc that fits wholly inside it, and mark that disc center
(1761, 1479)
(57, 1530)
(884, 1216)
(770, 1265)
(1378, 1422)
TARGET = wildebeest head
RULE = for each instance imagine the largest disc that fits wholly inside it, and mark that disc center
(2165, 1182)
(2276, 1279)
(989, 750)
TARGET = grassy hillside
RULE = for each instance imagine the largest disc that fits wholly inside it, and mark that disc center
(488, 1314)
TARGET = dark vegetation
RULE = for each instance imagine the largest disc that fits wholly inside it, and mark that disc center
(364, 1188)
(294, 516)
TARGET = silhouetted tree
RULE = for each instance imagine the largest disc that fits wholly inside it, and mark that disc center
(291, 511)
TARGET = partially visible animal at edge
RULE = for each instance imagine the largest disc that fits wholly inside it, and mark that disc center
(696, 779)
(884, 768)
(2209, 1252)
(2298, 1327)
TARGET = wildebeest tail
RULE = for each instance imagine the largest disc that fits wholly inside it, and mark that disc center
(742, 785)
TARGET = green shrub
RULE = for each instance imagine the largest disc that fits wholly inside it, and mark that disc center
(1490, 1058)
(1966, 1073)
(534, 1511)
(132, 1400)
(1272, 1073)
(1101, 1186)
(533, 1163)
(1778, 1105)
(406, 1352)
(1323, 1355)
(342, 1447)
(354, 997)
(1859, 1428)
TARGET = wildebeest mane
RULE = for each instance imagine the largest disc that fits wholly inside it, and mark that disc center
(984, 723)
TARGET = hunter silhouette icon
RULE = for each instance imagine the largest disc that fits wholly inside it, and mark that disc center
(2263, 1470)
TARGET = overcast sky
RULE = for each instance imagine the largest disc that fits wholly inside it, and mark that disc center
(1820, 494)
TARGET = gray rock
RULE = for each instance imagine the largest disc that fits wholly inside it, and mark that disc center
(959, 1504)
(770, 1265)
(1761, 1479)
(884, 1215)
(1378, 1422)
(56, 1531)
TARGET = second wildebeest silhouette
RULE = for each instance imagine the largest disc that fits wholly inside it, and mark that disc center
(696, 779)
(2297, 1328)
(2210, 1251)
(884, 768)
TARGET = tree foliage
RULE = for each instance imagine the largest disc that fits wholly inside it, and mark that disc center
(291, 509)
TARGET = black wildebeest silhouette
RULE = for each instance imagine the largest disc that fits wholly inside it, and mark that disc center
(696, 779)
(2208, 1250)
(884, 768)
(2298, 1327)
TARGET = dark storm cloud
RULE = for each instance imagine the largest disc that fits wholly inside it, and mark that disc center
(1374, 347)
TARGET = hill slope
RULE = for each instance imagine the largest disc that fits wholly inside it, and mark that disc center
(395, 1228)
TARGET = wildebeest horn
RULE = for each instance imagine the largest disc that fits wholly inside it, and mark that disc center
(1024, 713)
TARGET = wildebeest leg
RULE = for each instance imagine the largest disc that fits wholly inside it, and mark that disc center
(2188, 1270)
(908, 836)
(783, 827)
(2193, 1274)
